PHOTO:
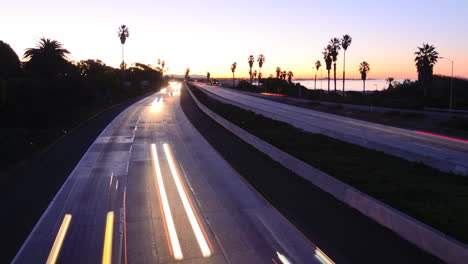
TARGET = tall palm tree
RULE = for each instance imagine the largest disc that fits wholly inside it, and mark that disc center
(334, 47)
(364, 68)
(233, 69)
(426, 58)
(260, 60)
(278, 72)
(318, 64)
(123, 34)
(251, 61)
(187, 72)
(390, 82)
(345, 43)
(328, 63)
(48, 57)
(290, 75)
(208, 75)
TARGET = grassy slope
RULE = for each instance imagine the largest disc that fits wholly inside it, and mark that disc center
(436, 198)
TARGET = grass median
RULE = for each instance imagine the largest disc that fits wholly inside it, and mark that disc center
(436, 198)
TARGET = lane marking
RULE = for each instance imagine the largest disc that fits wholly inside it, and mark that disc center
(188, 206)
(54, 252)
(107, 250)
(440, 136)
(125, 224)
(168, 220)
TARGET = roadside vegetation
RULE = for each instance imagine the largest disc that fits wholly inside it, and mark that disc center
(436, 198)
(45, 96)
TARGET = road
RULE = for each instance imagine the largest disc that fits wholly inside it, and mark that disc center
(443, 153)
(150, 189)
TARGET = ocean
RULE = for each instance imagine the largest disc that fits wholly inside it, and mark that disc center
(351, 85)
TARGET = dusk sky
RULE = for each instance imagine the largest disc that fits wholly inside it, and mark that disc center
(210, 35)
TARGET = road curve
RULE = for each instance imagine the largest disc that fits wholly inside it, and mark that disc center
(150, 189)
(442, 153)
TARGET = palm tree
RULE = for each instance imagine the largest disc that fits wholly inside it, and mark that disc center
(328, 63)
(345, 43)
(426, 58)
(233, 69)
(390, 82)
(187, 72)
(318, 64)
(278, 72)
(260, 60)
(254, 74)
(364, 68)
(290, 75)
(334, 47)
(49, 57)
(123, 34)
(208, 75)
(251, 61)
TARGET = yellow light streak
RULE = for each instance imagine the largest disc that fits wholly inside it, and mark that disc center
(107, 250)
(174, 240)
(54, 252)
(202, 242)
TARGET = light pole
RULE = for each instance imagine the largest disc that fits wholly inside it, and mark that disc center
(451, 84)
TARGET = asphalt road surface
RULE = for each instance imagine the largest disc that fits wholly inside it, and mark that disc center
(447, 154)
(151, 189)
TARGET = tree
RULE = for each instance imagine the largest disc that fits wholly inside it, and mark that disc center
(426, 58)
(328, 62)
(364, 68)
(187, 72)
(123, 34)
(9, 61)
(278, 72)
(390, 82)
(345, 43)
(92, 66)
(251, 61)
(283, 75)
(318, 64)
(334, 47)
(233, 69)
(260, 60)
(48, 58)
(290, 75)
(254, 74)
(208, 75)
(163, 63)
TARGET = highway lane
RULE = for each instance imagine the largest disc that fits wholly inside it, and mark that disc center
(151, 190)
(442, 153)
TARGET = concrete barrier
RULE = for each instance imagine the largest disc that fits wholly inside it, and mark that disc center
(414, 231)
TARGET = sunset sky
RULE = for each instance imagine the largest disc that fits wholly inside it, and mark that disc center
(209, 35)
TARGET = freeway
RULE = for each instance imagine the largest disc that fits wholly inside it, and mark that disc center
(440, 152)
(150, 189)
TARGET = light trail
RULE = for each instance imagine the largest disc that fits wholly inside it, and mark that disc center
(435, 135)
(54, 252)
(107, 249)
(194, 220)
(169, 221)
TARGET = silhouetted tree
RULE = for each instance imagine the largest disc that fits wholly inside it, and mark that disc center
(9, 62)
(290, 75)
(254, 74)
(92, 66)
(187, 72)
(233, 69)
(364, 68)
(345, 43)
(390, 82)
(208, 75)
(163, 63)
(334, 47)
(426, 58)
(123, 35)
(251, 61)
(278, 72)
(260, 60)
(48, 58)
(328, 63)
(318, 64)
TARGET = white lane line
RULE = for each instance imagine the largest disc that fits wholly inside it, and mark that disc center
(174, 240)
(199, 234)
(54, 252)
(107, 248)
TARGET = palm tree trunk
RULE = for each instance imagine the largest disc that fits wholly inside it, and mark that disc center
(328, 81)
(344, 74)
(334, 74)
(315, 82)
(123, 61)
(364, 87)
(233, 80)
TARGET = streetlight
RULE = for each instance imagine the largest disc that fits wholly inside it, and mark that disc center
(451, 84)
